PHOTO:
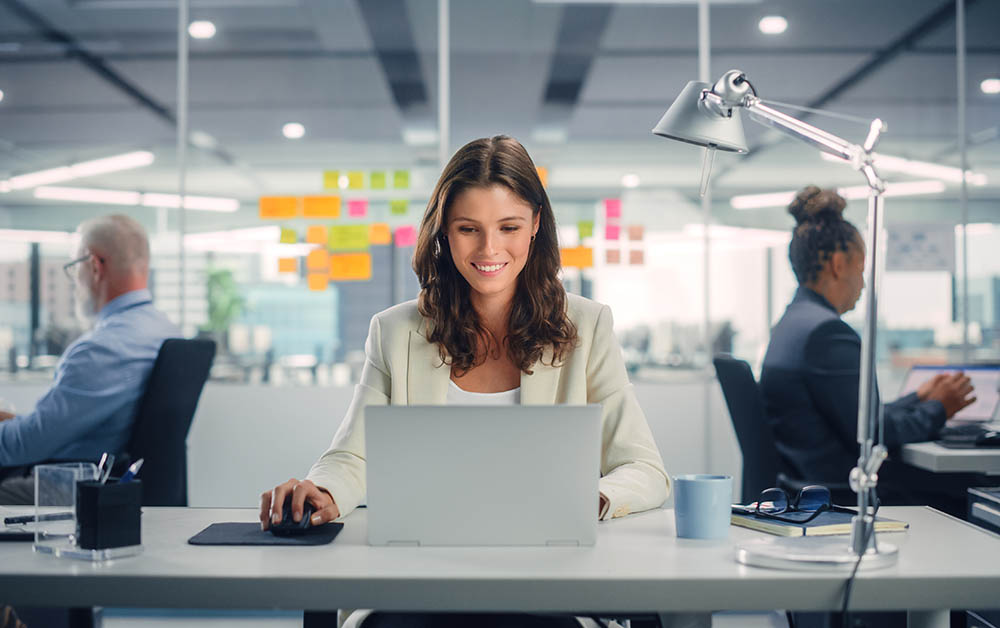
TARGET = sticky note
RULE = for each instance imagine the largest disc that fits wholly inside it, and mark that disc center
(348, 238)
(351, 267)
(317, 234)
(357, 207)
(401, 179)
(318, 281)
(543, 175)
(406, 236)
(278, 207)
(399, 206)
(635, 232)
(288, 264)
(577, 257)
(355, 179)
(321, 207)
(331, 179)
(289, 236)
(612, 232)
(376, 180)
(613, 207)
(379, 233)
(613, 256)
(635, 257)
(318, 260)
(586, 228)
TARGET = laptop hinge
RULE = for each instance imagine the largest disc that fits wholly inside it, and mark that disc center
(403, 543)
(563, 543)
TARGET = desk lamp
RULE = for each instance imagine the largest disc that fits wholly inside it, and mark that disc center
(708, 115)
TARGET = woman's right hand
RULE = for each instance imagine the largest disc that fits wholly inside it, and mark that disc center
(272, 502)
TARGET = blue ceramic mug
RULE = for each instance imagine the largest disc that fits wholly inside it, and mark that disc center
(702, 505)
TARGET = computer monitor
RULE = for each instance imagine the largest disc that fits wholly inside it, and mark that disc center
(986, 380)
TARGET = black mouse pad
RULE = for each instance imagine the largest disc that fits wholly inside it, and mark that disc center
(251, 534)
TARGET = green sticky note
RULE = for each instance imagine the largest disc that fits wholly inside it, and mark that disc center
(377, 180)
(289, 236)
(348, 238)
(331, 179)
(399, 206)
(355, 179)
(401, 179)
(586, 228)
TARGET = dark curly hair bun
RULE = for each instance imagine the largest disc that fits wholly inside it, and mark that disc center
(812, 204)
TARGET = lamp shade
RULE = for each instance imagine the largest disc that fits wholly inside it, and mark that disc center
(688, 121)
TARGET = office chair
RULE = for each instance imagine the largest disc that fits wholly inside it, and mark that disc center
(163, 418)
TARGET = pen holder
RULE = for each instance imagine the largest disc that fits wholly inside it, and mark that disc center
(108, 515)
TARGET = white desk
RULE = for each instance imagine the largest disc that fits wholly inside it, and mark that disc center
(638, 565)
(934, 457)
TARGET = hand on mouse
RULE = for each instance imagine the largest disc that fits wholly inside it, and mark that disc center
(954, 392)
(271, 503)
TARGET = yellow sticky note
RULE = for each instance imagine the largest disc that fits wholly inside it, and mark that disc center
(289, 236)
(317, 234)
(278, 207)
(351, 267)
(577, 257)
(288, 264)
(348, 238)
(543, 174)
(379, 233)
(318, 281)
(377, 180)
(331, 179)
(321, 206)
(399, 206)
(355, 179)
(401, 179)
(318, 260)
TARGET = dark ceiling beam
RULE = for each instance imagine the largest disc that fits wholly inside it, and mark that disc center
(391, 31)
(577, 44)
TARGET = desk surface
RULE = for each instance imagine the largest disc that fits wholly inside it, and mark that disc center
(934, 457)
(637, 565)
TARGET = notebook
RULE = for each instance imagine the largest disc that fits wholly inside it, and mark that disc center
(482, 475)
(826, 523)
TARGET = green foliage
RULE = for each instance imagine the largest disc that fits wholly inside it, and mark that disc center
(225, 303)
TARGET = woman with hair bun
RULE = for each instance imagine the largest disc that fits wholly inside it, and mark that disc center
(809, 379)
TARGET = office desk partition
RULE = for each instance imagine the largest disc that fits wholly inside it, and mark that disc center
(638, 565)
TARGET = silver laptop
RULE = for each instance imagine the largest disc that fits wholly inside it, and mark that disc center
(482, 475)
(985, 378)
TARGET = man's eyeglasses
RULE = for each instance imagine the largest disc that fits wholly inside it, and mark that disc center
(68, 266)
(810, 501)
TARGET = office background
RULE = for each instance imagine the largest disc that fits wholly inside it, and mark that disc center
(342, 98)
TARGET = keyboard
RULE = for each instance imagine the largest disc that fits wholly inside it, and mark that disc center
(962, 431)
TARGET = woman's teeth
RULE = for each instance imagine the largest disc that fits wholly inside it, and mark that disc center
(489, 269)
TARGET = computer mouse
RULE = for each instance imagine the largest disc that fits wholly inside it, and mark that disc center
(989, 438)
(288, 526)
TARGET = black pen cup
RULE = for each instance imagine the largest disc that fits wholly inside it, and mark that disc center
(108, 515)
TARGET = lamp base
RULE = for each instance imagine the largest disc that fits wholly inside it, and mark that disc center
(809, 553)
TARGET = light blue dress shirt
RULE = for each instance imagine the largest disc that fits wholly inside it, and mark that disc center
(98, 383)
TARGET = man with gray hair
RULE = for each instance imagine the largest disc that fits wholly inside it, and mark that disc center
(100, 378)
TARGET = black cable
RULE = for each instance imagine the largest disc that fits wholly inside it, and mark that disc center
(743, 79)
(845, 619)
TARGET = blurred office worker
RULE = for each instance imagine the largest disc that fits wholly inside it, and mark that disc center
(809, 378)
(101, 376)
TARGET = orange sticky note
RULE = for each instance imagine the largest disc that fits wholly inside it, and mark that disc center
(318, 281)
(351, 267)
(379, 233)
(321, 206)
(317, 234)
(635, 257)
(613, 256)
(278, 207)
(635, 232)
(318, 260)
(543, 174)
(288, 264)
(577, 257)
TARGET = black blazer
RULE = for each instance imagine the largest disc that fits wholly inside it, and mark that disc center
(809, 382)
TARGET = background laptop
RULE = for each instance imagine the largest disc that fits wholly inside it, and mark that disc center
(986, 380)
(482, 475)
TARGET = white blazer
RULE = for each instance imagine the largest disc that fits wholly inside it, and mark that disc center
(403, 368)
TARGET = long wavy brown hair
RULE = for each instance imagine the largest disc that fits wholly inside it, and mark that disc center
(538, 317)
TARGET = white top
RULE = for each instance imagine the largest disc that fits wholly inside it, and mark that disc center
(459, 397)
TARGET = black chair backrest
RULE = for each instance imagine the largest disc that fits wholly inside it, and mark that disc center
(761, 464)
(159, 433)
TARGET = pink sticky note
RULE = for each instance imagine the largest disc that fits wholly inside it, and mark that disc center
(613, 207)
(406, 236)
(357, 207)
(612, 232)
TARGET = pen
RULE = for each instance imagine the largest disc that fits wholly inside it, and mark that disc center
(105, 471)
(55, 516)
(132, 470)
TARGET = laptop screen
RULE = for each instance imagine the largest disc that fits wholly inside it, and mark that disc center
(986, 380)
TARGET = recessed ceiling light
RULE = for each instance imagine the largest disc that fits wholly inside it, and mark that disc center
(990, 86)
(293, 130)
(343, 181)
(772, 25)
(201, 29)
(630, 180)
